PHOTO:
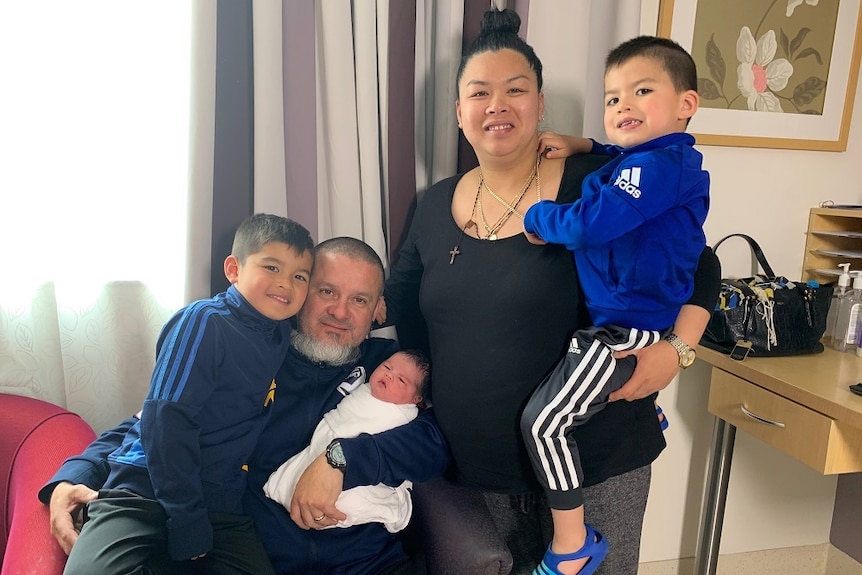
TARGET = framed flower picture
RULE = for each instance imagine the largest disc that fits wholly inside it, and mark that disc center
(771, 74)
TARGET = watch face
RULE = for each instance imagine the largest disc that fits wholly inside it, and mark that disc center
(687, 358)
(335, 455)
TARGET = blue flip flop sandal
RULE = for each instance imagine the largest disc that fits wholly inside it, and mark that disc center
(662, 418)
(595, 547)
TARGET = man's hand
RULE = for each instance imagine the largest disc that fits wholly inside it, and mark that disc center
(66, 500)
(313, 503)
(657, 366)
(380, 311)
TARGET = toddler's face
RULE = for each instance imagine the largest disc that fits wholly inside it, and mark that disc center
(641, 103)
(396, 380)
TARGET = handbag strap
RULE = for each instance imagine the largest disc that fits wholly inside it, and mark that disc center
(755, 249)
(742, 287)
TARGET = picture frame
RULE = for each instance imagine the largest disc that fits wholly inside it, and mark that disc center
(785, 78)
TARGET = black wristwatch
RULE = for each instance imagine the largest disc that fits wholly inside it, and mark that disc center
(335, 455)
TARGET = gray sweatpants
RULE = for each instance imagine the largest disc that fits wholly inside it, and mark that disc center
(615, 507)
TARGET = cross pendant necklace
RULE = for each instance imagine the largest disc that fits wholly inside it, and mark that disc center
(470, 223)
(454, 251)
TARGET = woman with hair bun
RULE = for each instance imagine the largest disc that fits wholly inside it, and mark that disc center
(497, 311)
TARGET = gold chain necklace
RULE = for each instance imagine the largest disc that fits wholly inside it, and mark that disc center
(503, 202)
(477, 206)
(491, 231)
(507, 205)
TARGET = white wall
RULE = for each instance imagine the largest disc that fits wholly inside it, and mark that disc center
(773, 501)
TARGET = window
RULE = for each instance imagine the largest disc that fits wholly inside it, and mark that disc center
(94, 132)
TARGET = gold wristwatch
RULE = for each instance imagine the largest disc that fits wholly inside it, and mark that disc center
(687, 354)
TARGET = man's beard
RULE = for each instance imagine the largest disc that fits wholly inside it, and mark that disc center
(324, 352)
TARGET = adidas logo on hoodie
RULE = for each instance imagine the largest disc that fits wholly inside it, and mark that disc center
(629, 180)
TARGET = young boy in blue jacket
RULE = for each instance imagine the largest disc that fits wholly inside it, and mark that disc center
(636, 234)
(178, 475)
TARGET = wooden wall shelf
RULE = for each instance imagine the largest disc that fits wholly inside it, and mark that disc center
(834, 237)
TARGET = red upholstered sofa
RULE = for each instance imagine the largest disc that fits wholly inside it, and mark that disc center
(35, 438)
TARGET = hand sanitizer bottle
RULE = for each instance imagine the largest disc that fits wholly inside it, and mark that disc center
(837, 295)
(847, 324)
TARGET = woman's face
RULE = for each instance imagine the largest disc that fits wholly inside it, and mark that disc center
(499, 104)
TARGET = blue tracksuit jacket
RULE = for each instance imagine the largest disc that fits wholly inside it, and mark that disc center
(209, 398)
(636, 232)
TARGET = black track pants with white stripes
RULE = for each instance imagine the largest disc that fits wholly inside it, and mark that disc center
(577, 388)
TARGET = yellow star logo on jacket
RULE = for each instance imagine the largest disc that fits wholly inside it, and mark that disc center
(270, 395)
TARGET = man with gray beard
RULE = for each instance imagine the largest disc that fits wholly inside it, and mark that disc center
(330, 355)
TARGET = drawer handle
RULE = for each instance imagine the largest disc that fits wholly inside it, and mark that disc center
(756, 417)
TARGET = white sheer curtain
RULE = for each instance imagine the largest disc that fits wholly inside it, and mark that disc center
(94, 175)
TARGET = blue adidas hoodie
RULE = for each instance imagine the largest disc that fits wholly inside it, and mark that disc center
(636, 232)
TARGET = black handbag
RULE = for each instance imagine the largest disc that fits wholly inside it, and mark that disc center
(767, 315)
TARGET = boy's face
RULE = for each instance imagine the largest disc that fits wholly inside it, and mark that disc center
(396, 380)
(273, 280)
(641, 103)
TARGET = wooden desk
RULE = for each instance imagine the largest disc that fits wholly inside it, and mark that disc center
(800, 405)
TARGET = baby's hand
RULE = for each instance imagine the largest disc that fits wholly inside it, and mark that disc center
(553, 145)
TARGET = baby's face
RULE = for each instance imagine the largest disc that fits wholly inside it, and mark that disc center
(396, 380)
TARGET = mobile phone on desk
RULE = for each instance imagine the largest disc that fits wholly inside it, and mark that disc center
(833, 205)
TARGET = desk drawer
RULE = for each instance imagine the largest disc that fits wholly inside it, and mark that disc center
(809, 436)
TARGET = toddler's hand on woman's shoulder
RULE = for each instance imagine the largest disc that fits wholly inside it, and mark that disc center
(553, 145)
(550, 144)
